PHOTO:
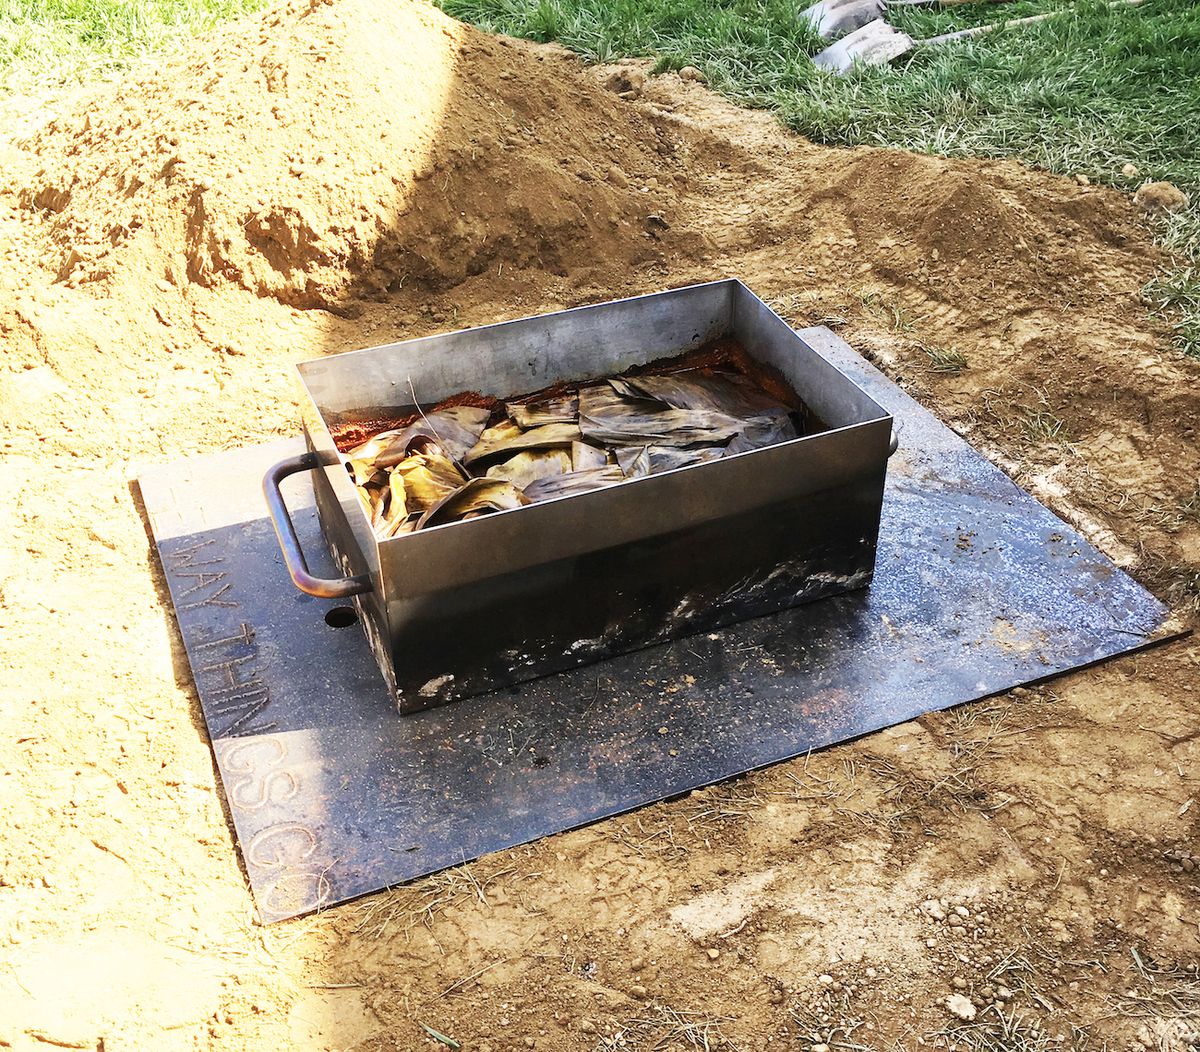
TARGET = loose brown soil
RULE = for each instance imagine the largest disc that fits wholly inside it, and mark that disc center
(329, 176)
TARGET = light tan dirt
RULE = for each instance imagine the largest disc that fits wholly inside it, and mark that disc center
(332, 176)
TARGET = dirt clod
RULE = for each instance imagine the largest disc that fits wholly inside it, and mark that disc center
(960, 1007)
(626, 81)
(1160, 197)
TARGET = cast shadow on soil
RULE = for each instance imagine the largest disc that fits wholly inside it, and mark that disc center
(180, 668)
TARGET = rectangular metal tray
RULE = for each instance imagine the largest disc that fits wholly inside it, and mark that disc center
(471, 606)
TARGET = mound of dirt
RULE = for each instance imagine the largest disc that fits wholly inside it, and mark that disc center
(329, 151)
(325, 153)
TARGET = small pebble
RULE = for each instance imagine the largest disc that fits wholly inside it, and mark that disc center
(713, 953)
(933, 908)
(960, 1007)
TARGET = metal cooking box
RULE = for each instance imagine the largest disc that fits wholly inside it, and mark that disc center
(470, 606)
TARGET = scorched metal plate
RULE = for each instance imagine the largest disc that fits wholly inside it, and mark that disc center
(978, 588)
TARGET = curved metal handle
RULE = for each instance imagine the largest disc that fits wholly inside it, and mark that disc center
(893, 443)
(289, 543)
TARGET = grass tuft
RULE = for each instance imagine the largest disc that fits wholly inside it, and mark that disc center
(50, 44)
(944, 359)
(996, 1031)
(670, 1028)
(1175, 293)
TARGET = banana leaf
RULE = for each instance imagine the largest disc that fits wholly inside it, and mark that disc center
(478, 495)
(730, 394)
(574, 482)
(584, 456)
(378, 499)
(365, 473)
(563, 410)
(364, 496)
(607, 417)
(650, 460)
(531, 465)
(428, 478)
(634, 461)
(455, 429)
(398, 505)
(764, 431)
(508, 437)
(401, 524)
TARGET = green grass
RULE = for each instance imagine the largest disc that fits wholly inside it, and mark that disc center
(49, 44)
(1175, 294)
(1086, 93)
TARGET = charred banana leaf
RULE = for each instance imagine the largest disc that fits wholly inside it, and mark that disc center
(448, 466)
(530, 465)
(607, 417)
(574, 482)
(509, 437)
(564, 410)
(764, 431)
(584, 456)
(477, 496)
(650, 460)
(456, 430)
(729, 394)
